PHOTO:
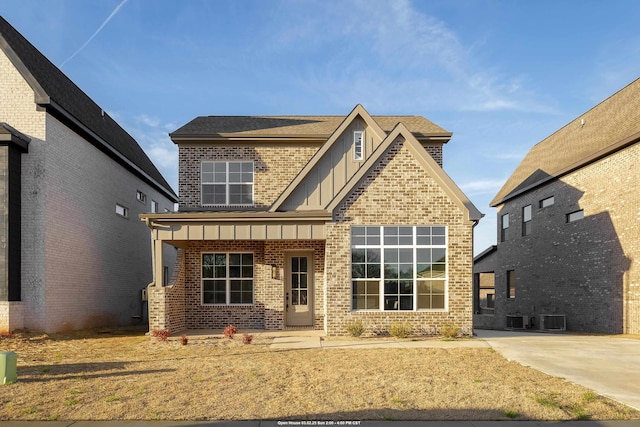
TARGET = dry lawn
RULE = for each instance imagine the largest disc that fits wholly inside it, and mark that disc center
(126, 375)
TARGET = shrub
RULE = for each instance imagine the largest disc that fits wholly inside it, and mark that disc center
(400, 330)
(161, 334)
(356, 328)
(246, 338)
(450, 331)
(230, 331)
(184, 340)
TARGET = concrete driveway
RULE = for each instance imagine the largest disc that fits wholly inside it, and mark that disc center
(610, 366)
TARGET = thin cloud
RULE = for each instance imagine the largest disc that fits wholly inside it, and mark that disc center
(486, 186)
(115, 11)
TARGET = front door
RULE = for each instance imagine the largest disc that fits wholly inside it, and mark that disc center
(299, 289)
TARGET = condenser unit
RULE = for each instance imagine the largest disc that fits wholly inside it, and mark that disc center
(517, 322)
(553, 322)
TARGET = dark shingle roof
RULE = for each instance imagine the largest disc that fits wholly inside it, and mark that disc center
(57, 92)
(293, 126)
(607, 127)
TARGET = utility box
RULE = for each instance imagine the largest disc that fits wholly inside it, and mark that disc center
(8, 370)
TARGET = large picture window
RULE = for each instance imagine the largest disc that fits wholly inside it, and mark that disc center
(398, 267)
(227, 278)
(227, 183)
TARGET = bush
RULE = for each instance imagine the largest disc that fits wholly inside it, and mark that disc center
(230, 331)
(247, 339)
(450, 331)
(356, 328)
(400, 330)
(161, 334)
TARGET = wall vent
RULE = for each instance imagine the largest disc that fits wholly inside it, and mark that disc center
(517, 322)
(553, 322)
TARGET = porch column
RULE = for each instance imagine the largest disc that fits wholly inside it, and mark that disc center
(158, 271)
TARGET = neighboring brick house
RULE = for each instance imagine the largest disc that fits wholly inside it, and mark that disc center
(569, 227)
(72, 183)
(315, 221)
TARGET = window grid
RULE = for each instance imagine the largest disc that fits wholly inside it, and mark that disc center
(504, 226)
(227, 278)
(358, 145)
(399, 267)
(227, 183)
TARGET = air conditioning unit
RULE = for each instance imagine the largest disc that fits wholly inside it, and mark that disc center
(553, 322)
(517, 322)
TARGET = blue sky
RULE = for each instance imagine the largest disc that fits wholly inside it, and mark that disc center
(501, 75)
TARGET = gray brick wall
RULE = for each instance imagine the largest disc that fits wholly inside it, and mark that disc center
(589, 269)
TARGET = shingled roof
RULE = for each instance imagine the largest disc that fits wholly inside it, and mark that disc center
(609, 126)
(312, 127)
(62, 98)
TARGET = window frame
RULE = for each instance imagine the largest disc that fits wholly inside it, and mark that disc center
(580, 215)
(382, 247)
(227, 182)
(547, 202)
(141, 197)
(227, 279)
(154, 206)
(503, 229)
(358, 156)
(123, 212)
(526, 223)
(511, 284)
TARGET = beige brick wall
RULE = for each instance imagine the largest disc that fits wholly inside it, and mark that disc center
(380, 200)
(275, 166)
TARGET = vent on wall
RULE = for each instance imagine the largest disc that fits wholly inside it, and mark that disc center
(517, 322)
(553, 322)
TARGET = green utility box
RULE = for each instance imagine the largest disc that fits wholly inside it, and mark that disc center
(8, 371)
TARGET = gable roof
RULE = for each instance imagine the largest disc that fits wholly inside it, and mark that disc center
(294, 127)
(606, 128)
(63, 99)
(358, 111)
(433, 169)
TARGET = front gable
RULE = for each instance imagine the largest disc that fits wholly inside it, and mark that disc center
(401, 178)
(332, 167)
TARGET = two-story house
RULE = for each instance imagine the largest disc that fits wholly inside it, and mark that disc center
(568, 252)
(73, 253)
(314, 221)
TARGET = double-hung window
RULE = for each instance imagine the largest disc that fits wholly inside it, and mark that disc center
(227, 278)
(526, 220)
(504, 226)
(398, 267)
(227, 183)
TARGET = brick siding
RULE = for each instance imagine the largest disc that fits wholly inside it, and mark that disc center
(589, 269)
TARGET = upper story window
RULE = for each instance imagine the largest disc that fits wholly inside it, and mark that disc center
(154, 206)
(123, 211)
(358, 145)
(526, 220)
(549, 201)
(504, 226)
(227, 183)
(575, 216)
(141, 196)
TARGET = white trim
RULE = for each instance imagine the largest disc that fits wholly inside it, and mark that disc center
(358, 140)
(414, 246)
(227, 182)
(228, 279)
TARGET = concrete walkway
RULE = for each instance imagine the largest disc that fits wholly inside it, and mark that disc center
(606, 364)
